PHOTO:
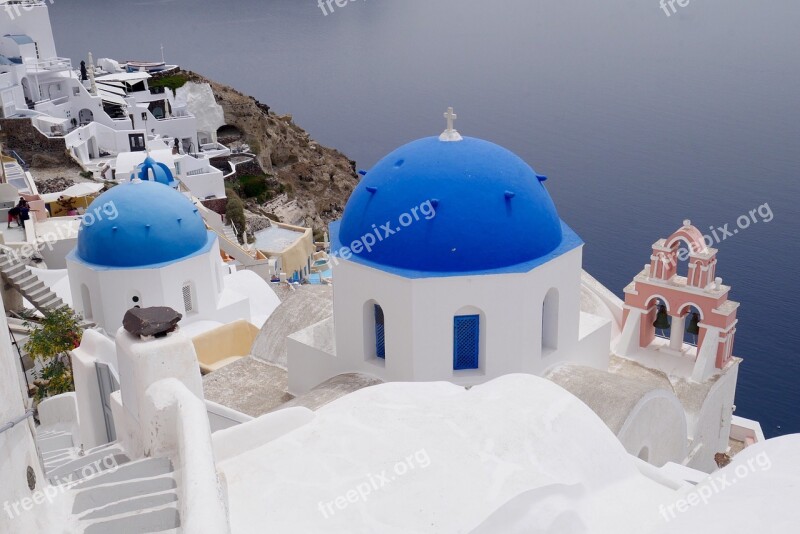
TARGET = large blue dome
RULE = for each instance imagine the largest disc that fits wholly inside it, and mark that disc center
(492, 211)
(138, 224)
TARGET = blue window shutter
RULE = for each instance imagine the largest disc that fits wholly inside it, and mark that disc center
(466, 342)
(380, 333)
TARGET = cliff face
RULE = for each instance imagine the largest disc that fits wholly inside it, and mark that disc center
(316, 180)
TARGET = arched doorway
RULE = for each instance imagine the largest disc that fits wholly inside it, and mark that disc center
(85, 116)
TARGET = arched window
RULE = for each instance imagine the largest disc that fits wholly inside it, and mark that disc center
(550, 322)
(466, 342)
(87, 302)
(380, 333)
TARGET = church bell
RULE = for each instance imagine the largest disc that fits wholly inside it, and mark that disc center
(694, 324)
(662, 319)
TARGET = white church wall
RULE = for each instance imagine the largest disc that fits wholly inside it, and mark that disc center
(655, 429)
(593, 344)
(710, 427)
(511, 307)
(112, 291)
(419, 316)
(356, 289)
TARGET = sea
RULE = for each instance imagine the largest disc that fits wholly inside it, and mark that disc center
(641, 115)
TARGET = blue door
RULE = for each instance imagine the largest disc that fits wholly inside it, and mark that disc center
(466, 342)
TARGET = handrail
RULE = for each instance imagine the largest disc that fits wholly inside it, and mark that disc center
(15, 422)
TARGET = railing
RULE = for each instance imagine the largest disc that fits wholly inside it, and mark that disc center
(669, 338)
(49, 65)
(197, 172)
(15, 422)
(55, 102)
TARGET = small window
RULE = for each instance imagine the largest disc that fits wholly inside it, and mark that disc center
(466, 342)
(380, 333)
(188, 298)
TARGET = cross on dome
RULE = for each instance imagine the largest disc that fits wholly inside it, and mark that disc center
(450, 134)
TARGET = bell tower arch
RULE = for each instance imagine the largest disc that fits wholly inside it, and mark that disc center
(663, 305)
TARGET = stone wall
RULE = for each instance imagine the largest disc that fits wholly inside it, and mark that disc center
(35, 148)
(217, 205)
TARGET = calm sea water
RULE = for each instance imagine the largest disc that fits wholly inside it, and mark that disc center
(639, 119)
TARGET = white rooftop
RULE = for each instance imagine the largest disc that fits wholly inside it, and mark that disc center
(435, 457)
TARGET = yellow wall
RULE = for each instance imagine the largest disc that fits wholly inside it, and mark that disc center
(295, 258)
(234, 339)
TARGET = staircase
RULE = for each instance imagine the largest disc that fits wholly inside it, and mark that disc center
(230, 233)
(111, 493)
(16, 273)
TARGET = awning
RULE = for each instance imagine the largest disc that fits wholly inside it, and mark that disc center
(20, 39)
(129, 77)
(112, 92)
(79, 190)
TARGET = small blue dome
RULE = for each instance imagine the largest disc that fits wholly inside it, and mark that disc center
(138, 224)
(151, 170)
(492, 211)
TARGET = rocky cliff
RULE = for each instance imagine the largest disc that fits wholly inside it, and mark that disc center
(311, 182)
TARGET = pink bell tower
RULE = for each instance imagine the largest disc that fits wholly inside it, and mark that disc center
(700, 291)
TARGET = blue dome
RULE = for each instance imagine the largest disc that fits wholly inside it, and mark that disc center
(151, 170)
(491, 210)
(138, 224)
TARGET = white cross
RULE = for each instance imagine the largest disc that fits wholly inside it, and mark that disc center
(450, 134)
(450, 116)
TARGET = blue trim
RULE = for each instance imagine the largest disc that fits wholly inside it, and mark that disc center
(570, 242)
(466, 342)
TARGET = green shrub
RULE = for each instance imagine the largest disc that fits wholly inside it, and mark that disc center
(253, 186)
(50, 340)
(173, 82)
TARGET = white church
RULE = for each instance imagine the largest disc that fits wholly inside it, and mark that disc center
(452, 264)
(144, 244)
